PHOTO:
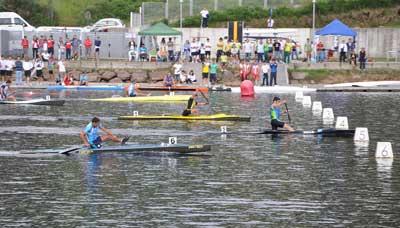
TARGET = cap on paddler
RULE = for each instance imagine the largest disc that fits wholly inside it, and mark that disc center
(276, 99)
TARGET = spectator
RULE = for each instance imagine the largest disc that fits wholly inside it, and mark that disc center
(88, 47)
(191, 77)
(351, 47)
(320, 52)
(247, 70)
(68, 79)
(39, 69)
(227, 47)
(50, 68)
(208, 48)
(76, 44)
(50, 45)
(25, 46)
(353, 59)
(28, 67)
(255, 73)
(204, 18)
(177, 71)
(202, 52)
(143, 53)
(342, 52)
(362, 58)
(287, 52)
(61, 48)
(183, 77)
(19, 71)
(248, 49)
(170, 48)
(274, 71)
(194, 51)
(224, 61)
(68, 48)
(308, 49)
(132, 48)
(205, 70)
(83, 79)
(40, 44)
(168, 80)
(45, 47)
(61, 71)
(277, 50)
(295, 51)
(265, 70)
(35, 47)
(220, 47)
(2, 69)
(9, 68)
(270, 23)
(97, 45)
(213, 72)
(162, 55)
(186, 50)
(260, 51)
(235, 53)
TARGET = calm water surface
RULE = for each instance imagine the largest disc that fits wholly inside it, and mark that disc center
(246, 181)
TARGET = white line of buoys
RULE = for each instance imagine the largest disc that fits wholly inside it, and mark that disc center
(384, 150)
(342, 123)
(306, 101)
(361, 134)
(299, 96)
(317, 107)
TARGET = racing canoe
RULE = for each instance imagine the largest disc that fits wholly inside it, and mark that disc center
(214, 117)
(166, 98)
(174, 88)
(95, 87)
(333, 132)
(36, 102)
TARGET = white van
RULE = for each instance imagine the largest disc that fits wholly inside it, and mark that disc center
(13, 21)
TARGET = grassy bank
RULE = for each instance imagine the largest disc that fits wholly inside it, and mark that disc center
(323, 76)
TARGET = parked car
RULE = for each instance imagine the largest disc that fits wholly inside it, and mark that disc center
(106, 24)
(13, 21)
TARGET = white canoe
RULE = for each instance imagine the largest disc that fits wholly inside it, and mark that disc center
(277, 89)
(364, 84)
(36, 102)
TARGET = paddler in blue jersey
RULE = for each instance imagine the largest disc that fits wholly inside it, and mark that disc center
(132, 88)
(91, 137)
(275, 113)
(191, 105)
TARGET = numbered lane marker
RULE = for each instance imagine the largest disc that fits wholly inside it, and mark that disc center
(342, 123)
(172, 93)
(327, 114)
(224, 129)
(172, 140)
(135, 113)
(307, 101)
(47, 97)
(384, 150)
(317, 106)
(361, 134)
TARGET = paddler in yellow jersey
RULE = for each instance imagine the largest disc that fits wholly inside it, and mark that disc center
(191, 105)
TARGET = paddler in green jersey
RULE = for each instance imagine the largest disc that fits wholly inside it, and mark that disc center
(275, 113)
(191, 105)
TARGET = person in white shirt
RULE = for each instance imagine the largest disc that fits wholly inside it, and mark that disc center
(204, 17)
(270, 23)
(342, 51)
(260, 51)
(9, 65)
(28, 66)
(248, 49)
(208, 48)
(265, 70)
(2, 69)
(177, 71)
(61, 71)
(191, 77)
(193, 51)
(39, 69)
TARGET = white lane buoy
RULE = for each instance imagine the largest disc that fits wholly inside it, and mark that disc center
(307, 101)
(361, 134)
(299, 96)
(342, 123)
(327, 114)
(172, 93)
(135, 113)
(317, 106)
(224, 129)
(172, 140)
(384, 150)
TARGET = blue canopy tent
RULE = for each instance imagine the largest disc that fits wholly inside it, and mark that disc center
(336, 28)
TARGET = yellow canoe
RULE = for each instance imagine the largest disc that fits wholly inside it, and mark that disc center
(166, 98)
(214, 117)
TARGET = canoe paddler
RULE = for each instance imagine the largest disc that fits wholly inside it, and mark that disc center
(133, 90)
(6, 93)
(191, 105)
(275, 112)
(91, 137)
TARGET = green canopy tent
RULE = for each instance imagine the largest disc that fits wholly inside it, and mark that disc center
(159, 29)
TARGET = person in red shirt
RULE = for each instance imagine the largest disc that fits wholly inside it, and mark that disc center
(25, 46)
(35, 47)
(50, 45)
(68, 80)
(88, 47)
(68, 47)
(320, 52)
